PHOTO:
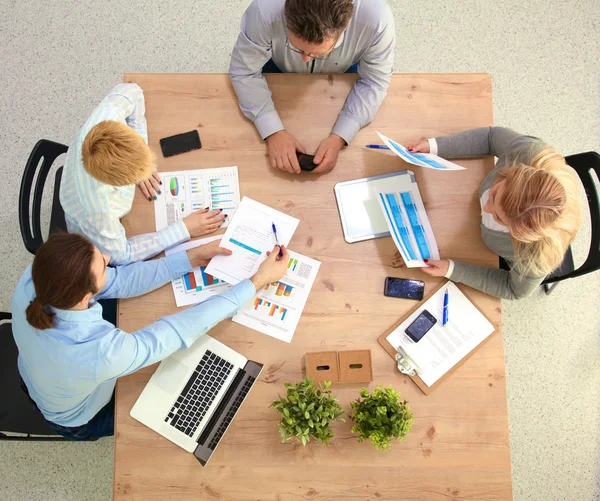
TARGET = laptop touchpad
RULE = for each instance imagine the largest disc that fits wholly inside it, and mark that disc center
(169, 375)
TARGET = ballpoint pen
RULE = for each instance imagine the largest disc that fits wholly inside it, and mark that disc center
(378, 146)
(445, 312)
(276, 239)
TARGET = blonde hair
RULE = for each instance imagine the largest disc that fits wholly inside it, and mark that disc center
(115, 154)
(542, 205)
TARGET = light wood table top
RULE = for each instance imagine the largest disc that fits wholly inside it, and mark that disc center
(458, 447)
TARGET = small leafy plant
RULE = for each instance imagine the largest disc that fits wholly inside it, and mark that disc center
(381, 416)
(307, 412)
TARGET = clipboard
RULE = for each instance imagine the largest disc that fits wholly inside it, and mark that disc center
(405, 361)
(359, 210)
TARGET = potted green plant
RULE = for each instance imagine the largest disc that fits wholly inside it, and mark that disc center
(381, 416)
(307, 412)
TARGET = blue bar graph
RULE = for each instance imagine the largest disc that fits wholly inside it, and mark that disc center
(417, 227)
(399, 223)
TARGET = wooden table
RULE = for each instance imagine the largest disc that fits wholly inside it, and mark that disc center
(458, 447)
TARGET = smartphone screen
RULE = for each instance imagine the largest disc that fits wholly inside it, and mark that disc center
(181, 143)
(306, 161)
(403, 288)
(420, 326)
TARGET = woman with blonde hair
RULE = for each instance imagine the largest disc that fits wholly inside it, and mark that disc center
(530, 209)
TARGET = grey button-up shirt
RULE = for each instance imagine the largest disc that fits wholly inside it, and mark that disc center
(369, 40)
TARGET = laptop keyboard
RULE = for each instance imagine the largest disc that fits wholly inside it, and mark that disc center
(231, 412)
(199, 393)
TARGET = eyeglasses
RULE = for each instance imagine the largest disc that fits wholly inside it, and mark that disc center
(289, 45)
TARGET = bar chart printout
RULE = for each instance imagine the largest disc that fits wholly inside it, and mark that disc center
(189, 191)
(409, 225)
(197, 285)
(276, 310)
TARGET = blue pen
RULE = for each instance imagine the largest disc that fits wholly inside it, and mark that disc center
(445, 317)
(276, 239)
(378, 146)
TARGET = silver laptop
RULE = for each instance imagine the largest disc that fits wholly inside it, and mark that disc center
(194, 395)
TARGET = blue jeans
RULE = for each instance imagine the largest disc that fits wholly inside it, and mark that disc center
(101, 425)
(271, 67)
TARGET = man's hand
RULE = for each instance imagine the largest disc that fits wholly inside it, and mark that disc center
(327, 153)
(421, 146)
(202, 223)
(282, 152)
(151, 187)
(201, 256)
(436, 268)
(271, 269)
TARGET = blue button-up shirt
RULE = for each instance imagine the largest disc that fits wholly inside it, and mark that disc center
(71, 369)
(94, 209)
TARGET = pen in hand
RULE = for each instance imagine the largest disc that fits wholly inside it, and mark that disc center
(276, 239)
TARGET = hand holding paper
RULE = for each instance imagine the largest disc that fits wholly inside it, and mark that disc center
(421, 159)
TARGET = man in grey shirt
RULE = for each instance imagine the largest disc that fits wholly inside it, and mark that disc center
(313, 36)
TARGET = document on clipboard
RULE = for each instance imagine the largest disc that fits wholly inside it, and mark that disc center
(444, 346)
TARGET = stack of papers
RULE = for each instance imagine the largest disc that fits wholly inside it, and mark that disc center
(276, 310)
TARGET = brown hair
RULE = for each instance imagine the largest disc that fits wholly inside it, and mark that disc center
(115, 154)
(315, 20)
(62, 276)
(542, 203)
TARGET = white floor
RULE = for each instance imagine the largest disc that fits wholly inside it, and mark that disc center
(60, 58)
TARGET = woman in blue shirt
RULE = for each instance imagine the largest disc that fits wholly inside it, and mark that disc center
(70, 357)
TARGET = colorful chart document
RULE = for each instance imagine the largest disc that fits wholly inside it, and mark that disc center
(276, 310)
(249, 236)
(444, 345)
(421, 159)
(197, 285)
(409, 225)
(189, 191)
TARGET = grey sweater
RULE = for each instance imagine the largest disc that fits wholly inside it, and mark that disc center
(509, 147)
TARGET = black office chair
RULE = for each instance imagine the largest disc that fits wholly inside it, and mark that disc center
(584, 164)
(17, 414)
(30, 217)
(30, 220)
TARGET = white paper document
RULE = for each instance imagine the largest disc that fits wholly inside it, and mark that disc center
(421, 159)
(409, 225)
(444, 345)
(249, 236)
(276, 310)
(197, 285)
(189, 191)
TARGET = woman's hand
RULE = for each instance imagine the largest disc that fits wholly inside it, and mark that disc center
(201, 256)
(421, 146)
(271, 269)
(436, 268)
(151, 187)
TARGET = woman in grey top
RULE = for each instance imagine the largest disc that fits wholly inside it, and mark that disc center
(530, 209)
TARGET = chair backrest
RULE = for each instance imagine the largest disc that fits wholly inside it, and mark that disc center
(585, 164)
(17, 415)
(30, 221)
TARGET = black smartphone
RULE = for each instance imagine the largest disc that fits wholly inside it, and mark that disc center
(181, 143)
(404, 288)
(306, 161)
(421, 326)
